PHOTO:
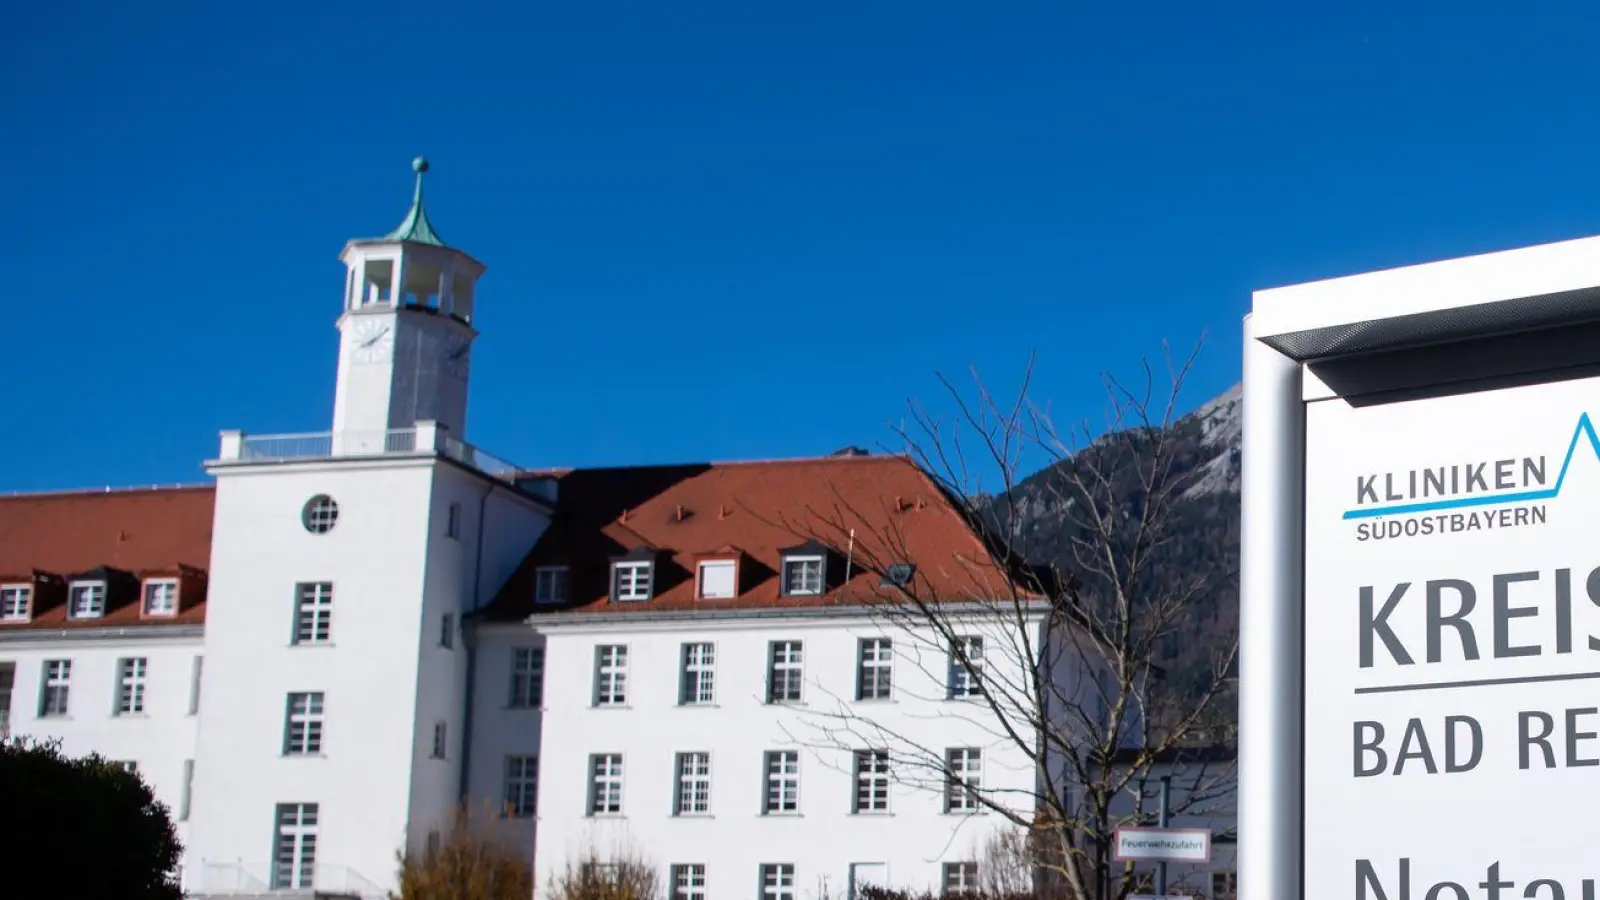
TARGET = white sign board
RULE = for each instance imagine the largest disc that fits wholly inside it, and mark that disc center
(1162, 845)
(1452, 646)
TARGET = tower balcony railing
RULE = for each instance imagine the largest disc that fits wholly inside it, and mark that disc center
(425, 438)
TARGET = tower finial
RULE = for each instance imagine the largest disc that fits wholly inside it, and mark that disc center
(416, 227)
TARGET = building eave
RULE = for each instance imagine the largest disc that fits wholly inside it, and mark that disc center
(1033, 612)
(33, 634)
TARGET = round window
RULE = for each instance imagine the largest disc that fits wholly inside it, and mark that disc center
(320, 514)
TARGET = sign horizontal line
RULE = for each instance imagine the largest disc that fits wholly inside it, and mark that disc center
(1475, 682)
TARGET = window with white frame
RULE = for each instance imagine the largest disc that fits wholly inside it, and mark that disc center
(313, 612)
(611, 675)
(302, 730)
(550, 584)
(452, 527)
(14, 602)
(86, 599)
(447, 630)
(777, 881)
(717, 579)
(161, 597)
(55, 687)
(962, 780)
(1224, 885)
(784, 671)
(693, 794)
(130, 685)
(605, 784)
(441, 740)
(697, 685)
(874, 669)
(522, 786)
(688, 881)
(527, 678)
(872, 781)
(783, 782)
(960, 878)
(966, 666)
(294, 846)
(802, 575)
(188, 791)
(630, 581)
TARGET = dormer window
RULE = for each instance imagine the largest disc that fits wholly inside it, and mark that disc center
(14, 602)
(717, 579)
(86, 599)
(161, 597)
(805, 570)
(633, 576)
(550, 584)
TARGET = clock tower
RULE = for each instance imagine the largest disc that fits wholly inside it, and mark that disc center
(406, 334)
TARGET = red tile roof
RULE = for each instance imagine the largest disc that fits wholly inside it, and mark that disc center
(755, 510)
(136, 531)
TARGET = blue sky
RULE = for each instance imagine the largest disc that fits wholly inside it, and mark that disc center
(731, 230)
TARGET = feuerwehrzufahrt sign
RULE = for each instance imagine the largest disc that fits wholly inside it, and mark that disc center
(1134, 844)
(1452, 646)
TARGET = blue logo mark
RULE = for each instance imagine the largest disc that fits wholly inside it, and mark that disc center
(1585, 428)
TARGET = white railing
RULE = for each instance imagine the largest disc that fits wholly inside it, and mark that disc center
(239, 880)
(425, 437)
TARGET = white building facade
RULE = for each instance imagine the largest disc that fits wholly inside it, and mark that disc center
(317, 658)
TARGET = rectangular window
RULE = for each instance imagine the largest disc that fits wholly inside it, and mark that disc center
(447, 630)
(441, 740)
(802, 575)
(966, 666)
(130, 685)
(783, 672)
(872, 781)
(452, 527)
(194, 684)
(874, 672)
(14, 602)
(783, 782)
(302, 731)
(8, 680)
(610, 675)
(313, 612)
(631, 581)
(961, 878)
(527, 678)
(697, 686)
(161, 597)
(294, 846)
(187, 795)
(777, 881)
(550, 584)
(522, 786)
(56, 686)
(1224, 885)
(693, 795)
(963, 778)
(87, 600)
(717, 579)
(605, 784)
(688, 881)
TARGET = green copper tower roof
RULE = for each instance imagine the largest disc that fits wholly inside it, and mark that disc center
(416, 227)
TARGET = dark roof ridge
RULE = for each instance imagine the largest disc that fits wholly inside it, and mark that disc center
(724, 463)
(107, 491)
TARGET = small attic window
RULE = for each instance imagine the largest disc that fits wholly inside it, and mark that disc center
(14, 602)
(633, 576)
(802, 575)
(550, 584)
(898, 575)
(718, 579)
(161, 597)
(87, 600)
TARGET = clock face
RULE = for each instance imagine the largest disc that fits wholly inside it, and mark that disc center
(457, 356)
(374, 340)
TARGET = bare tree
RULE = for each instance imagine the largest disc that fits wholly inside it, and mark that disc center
(474, 861)
(1068, 674)
(620, 874)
